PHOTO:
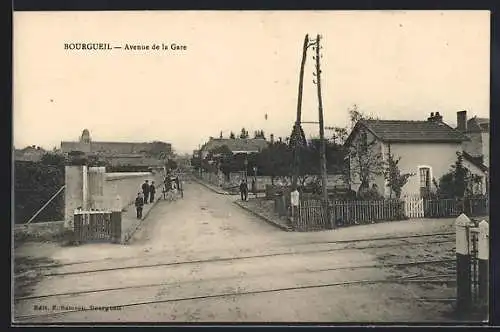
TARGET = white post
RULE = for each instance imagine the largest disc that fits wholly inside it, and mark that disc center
(483, 248)
(117, 204)
(85, 187)
(463, 223)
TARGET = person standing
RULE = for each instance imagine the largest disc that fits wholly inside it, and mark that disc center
(152, 191)
(243, 190)
(145, 191)
(139, 203)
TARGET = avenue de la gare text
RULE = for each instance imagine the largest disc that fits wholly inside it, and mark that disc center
(131, 47)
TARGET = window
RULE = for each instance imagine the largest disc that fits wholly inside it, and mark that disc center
(424, 177)
(425, 180)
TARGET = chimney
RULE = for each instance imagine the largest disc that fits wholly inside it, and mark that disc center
(438, 117)
(462, 121)
(435, 117)
(272, 138)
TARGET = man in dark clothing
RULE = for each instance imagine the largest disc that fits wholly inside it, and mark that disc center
(152, 191)
(243, 190)
(139, 203)
(145, 191)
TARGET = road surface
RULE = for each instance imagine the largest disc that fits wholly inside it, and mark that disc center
(204, 259)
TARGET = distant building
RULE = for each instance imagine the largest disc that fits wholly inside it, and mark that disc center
(427, 149)
(119, 153)
(478, 131)
(31, 153)
(236, 145)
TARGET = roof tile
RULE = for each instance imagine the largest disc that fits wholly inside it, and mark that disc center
(414, 131)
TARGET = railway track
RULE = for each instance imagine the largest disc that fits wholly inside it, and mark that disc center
(337, 268)
(401, 243)
(449, 235)
(396, 279)
(361, 244)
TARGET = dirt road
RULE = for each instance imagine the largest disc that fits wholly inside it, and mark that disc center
(203, 259)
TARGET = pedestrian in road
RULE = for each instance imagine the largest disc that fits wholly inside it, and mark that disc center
(152, 191)
(254, 188)
(139, 203)
(243, 190)
(145, 191)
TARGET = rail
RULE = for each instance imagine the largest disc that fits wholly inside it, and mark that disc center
(45, 205)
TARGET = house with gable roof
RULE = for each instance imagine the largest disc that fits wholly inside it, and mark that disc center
(427, 149)
(236, 145)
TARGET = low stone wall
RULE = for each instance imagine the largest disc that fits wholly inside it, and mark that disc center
(42, 231)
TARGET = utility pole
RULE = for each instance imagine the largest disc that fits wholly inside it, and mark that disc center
(297, 130)
(321, 128)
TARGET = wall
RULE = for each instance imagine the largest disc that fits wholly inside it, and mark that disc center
(333, 180)
(73, 193)
(485, 139)
(109, 147)
(476, 171)
(439, 156)
(474, 147)
(126, 186)
(106, 191)
(75, 146)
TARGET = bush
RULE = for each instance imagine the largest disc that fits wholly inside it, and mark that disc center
(35, 183)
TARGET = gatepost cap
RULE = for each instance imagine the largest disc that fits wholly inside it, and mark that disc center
(463, 220)
(483, 225)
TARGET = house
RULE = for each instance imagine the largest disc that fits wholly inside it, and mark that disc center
(236, 145)
(119, 153)
(30, 153)
(478, 131)
(88, 146)
(427, 149)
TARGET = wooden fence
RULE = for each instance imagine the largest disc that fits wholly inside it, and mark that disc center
(417, 207)
(97, 226)
(312, 215)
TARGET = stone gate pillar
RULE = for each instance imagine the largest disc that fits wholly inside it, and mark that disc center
(73, 193)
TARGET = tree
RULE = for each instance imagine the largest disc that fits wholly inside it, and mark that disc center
(365, 160)
(232, 136)
(158, 149)
(51, 158)
(275, 160)
(458, 182)
(395, 180)
(259, 134)
(171, 164)
(340, 134)
(222, 157)
(244, 133)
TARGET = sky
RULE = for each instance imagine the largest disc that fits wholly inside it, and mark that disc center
(238, 67)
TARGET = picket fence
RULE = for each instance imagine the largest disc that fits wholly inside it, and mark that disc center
(417, 207)
(312, 214)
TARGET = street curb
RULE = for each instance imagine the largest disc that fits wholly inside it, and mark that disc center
(131, 233)
(266, 219)
(220, 192)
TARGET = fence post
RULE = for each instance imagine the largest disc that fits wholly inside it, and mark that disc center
(116, 226)
(462, 224)
(483, 257)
